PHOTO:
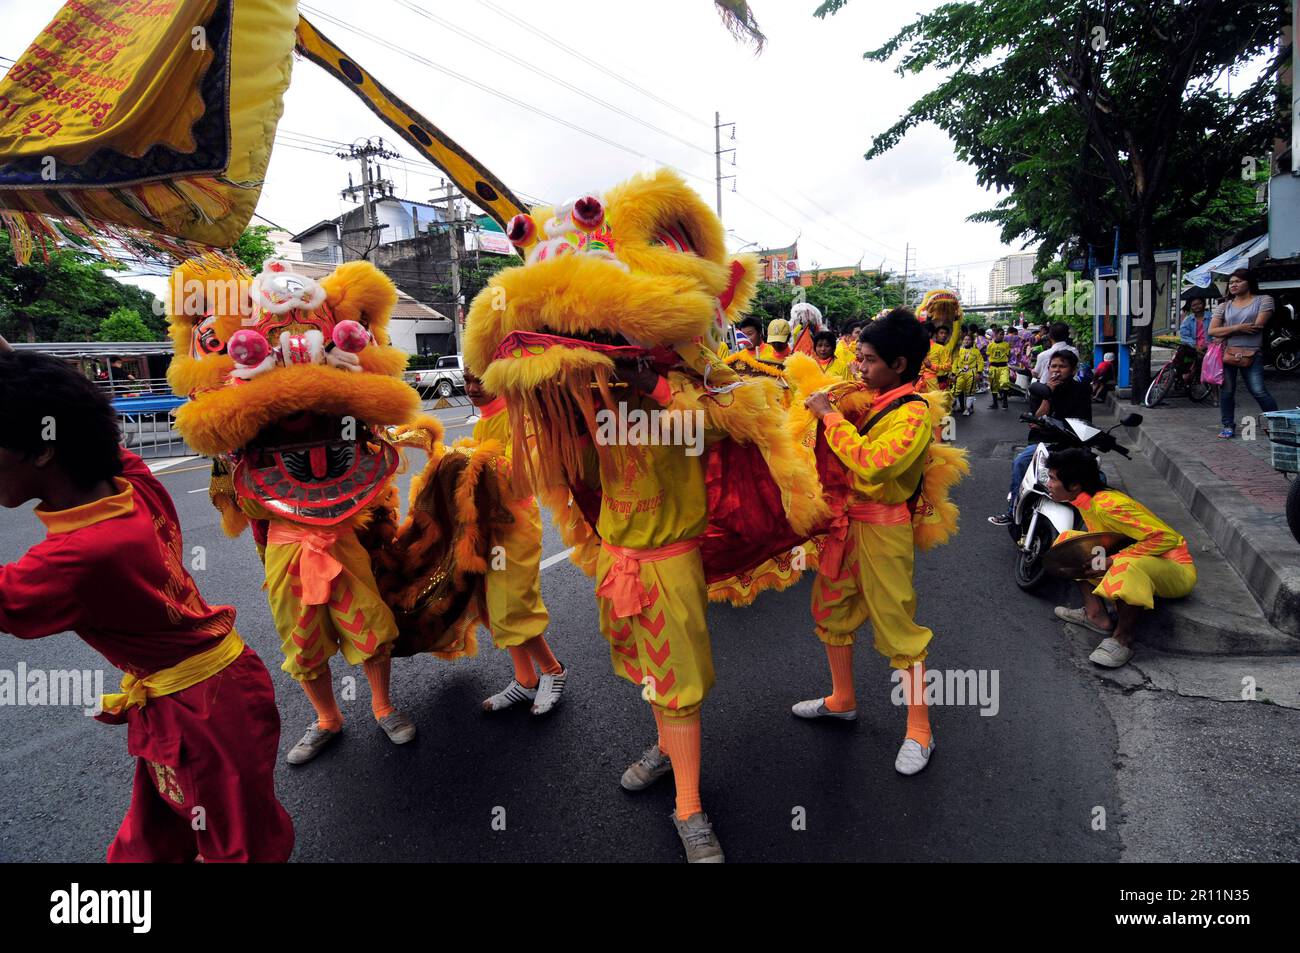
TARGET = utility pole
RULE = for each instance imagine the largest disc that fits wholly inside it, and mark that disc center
(453, 242)
(717, 156)
(907, 255)
(370, 185)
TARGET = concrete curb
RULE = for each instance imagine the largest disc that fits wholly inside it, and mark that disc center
(1262, 551)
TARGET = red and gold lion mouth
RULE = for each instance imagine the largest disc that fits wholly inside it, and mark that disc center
(315, 468)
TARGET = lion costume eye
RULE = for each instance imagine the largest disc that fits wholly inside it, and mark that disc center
(674, 238)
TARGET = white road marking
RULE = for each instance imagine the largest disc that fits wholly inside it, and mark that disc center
(202, 489)
(550, 561)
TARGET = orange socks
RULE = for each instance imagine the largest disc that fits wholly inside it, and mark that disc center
(523, 664)
(320, 692)
(540, 653)
(918, 713)
(659, 727)
(681, 742)
(378, 671)
(842, 697)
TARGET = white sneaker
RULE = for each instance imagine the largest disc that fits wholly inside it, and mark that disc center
(1111, 654)
(549, 690)
(698, 838)
(1079, 617)
(512, 694)
(816, 708)
(646, 770)
(912, 758)
(399, 728)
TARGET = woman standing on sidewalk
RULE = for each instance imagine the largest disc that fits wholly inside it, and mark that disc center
(1238, 325)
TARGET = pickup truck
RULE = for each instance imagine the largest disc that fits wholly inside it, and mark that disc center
(444, 379)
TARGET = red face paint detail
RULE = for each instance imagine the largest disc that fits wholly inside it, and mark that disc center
(737, 272)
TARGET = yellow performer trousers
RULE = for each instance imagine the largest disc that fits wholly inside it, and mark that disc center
(965, 385)
(515, 611)
(324, 598)
(662, 645)
(1139, 580)
(999, 379)
(874, 583)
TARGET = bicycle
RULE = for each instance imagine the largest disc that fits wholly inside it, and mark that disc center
(1170, 382)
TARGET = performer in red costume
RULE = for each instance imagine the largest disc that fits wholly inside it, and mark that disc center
(198, 703)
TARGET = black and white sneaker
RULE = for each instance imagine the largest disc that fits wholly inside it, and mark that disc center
(512, 694)
(549, 690)
(1002, 519)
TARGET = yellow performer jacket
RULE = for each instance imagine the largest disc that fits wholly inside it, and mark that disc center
(1116, 512)
(887, 462)
(969, 361)
(838, 365)
(999, 353)
(652, 494)
(494, 424)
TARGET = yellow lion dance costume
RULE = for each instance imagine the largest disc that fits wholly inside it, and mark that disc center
(294, 386)
(674, 479)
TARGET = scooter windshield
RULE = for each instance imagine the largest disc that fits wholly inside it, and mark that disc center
(1082, 429)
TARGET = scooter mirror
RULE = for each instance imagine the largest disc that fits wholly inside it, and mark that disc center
(1040, 390)
(1132, 420)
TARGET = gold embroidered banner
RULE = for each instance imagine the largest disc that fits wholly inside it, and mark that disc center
(143, 120)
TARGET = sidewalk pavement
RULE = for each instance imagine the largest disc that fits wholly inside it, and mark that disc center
(1239, 501)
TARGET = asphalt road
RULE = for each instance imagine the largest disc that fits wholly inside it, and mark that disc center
(1023, 784)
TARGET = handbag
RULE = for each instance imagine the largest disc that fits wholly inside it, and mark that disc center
(1212, 364)
(1239, 356)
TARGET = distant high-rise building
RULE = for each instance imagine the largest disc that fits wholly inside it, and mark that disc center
(1007, 273)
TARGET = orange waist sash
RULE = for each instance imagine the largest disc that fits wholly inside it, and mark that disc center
(867, 511)
(317, 565)
(622, 585)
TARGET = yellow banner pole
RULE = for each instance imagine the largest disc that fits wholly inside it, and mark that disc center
(470, 176)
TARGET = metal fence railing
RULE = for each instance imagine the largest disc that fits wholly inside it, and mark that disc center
(149, 386)
(152, 436)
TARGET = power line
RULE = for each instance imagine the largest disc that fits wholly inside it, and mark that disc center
(613, 74)
(520, 61)
(424, 61)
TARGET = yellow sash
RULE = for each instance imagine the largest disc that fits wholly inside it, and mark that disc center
(168, 681)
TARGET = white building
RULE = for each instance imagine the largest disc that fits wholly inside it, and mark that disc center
(398, 219)
(1008, 272)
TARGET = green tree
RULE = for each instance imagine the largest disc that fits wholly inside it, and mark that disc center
(253, 247)
(123, 324)
(772, 300)
(67, 297)
(1093, 115)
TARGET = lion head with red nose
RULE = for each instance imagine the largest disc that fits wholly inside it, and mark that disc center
(291, 384)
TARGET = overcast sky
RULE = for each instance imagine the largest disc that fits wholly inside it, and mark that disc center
(805, 111)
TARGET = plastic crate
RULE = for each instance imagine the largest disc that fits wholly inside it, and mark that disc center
(1286, 458)
(1283, 427)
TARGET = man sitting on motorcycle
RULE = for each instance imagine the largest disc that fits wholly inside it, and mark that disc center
(1070, 398)
(1192, 339)
(1157, 563)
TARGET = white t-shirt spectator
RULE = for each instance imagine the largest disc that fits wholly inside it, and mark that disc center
(1040, 365)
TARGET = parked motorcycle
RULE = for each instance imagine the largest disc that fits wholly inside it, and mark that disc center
(1282, 347)
(1037, 519)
